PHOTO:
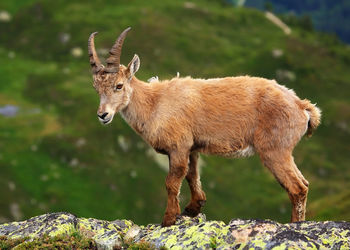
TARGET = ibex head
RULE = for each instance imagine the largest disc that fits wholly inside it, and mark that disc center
(113, 81)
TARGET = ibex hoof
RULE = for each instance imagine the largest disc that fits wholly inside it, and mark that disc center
(190, 212)
(168, 221)
(201, 203)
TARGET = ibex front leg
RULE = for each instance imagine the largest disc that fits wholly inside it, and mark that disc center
(197, 195)
(177, 172)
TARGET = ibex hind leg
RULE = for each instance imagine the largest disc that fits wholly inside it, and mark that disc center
(198, 197)
(282, 166)
(306, 183)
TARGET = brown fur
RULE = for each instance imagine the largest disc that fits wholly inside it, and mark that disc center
(232, 116)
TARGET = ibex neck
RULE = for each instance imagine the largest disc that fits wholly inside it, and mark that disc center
(142, 102)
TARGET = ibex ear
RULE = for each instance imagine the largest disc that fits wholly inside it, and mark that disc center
(133, 66)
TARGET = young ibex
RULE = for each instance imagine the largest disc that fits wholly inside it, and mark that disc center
(182, 117)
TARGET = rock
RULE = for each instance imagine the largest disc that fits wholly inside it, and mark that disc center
(278, 22)
(285, 75)
(15, 211)
(76, 52)
(107, 235)
(189, 5)
(64, 37)
(123, 143)
(188, 233)
(277, 53)
(132, 233)
(9, 110)
(51, 224)
(5, 16)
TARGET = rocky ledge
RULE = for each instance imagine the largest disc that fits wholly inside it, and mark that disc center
(188, 233)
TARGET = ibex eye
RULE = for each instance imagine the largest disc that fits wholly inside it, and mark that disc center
(119, 86)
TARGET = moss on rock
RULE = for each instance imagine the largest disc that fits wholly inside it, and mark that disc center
(187, 233)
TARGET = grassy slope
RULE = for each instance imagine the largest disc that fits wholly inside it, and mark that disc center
(41, 149)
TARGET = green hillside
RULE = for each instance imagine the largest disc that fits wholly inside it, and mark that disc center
(55, 155)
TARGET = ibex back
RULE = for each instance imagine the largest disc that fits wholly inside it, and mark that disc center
(182, 117)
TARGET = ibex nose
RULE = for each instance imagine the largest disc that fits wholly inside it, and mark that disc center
(103, 115)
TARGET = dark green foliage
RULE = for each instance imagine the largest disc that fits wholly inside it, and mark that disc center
(6, 243)
(304, 22)
(213, 243)
(74, 241)
(141, 245)
(268, 6)
(327, 15)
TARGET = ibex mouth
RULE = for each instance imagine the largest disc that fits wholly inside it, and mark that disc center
(105, 121)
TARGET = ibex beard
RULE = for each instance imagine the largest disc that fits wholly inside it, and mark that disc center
(231, 116)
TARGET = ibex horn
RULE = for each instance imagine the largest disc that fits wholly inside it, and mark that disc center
(113, 60)
(94, 60)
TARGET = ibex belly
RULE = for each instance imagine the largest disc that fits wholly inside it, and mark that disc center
(226, 149)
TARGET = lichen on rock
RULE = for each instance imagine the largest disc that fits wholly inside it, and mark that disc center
(187, 233)
(48, 224)
(106, 234)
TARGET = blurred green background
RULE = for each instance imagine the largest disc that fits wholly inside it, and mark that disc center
(55, 155)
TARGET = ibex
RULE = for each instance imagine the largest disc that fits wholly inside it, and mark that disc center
(231, 116)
